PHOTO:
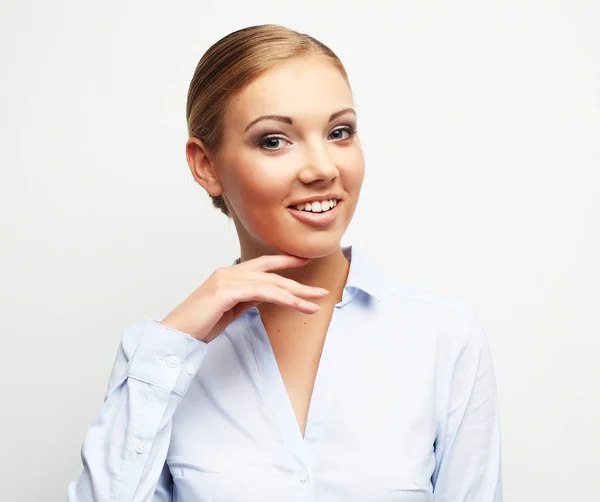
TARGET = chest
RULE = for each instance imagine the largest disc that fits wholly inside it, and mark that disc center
(370, 425)
(297, 343)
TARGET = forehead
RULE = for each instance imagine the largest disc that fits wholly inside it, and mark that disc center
(300, 87)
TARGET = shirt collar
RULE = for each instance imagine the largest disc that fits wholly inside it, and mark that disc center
(361, 275)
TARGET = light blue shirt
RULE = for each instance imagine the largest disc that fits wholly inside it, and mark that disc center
(404, 409)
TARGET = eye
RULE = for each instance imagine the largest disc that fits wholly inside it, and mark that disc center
(270, 143)
(345, 129)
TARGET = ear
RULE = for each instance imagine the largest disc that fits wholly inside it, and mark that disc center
(202, 167)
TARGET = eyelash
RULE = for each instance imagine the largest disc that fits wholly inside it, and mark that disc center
(349, 129)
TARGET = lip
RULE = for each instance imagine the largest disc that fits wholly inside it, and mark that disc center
(317, 198)
(322, 219)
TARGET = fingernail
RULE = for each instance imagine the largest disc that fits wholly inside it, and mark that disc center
(321, 290)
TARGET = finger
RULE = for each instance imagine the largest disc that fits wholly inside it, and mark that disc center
(294, 287)
(272, 262)
(265, 292)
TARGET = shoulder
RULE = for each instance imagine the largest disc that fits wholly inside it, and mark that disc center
(445, 328)
(442, 316)
(406, 296)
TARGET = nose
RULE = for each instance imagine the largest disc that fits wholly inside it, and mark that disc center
(318, 165)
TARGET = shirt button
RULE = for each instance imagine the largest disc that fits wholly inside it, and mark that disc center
(189, 368)
(172, 361)
(304, 476)
(140, 448)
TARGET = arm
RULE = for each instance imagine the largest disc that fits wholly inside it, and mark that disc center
(467, 450)
(124, 451)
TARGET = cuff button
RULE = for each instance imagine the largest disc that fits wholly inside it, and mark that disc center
(172, 361)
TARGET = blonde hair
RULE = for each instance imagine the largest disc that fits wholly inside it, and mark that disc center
(232, 63)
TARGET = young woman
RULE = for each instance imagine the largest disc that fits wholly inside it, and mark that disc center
(297, 373)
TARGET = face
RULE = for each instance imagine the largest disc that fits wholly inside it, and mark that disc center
(268, 166)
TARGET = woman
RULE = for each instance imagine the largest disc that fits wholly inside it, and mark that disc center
(297, 373)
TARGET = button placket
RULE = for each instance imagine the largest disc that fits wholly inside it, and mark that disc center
(303, 476)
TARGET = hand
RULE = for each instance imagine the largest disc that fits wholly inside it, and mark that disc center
(230, 291)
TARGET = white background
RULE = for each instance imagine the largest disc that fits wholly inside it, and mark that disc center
(481, 128)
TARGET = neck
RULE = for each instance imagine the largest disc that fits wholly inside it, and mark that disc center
(329, 272)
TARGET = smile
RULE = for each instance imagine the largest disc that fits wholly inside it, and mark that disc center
(317, 206)
(323, 214)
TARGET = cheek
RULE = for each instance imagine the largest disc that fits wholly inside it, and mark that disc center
(354, 174)
(260, 188)
(252, 185)
(359, 176)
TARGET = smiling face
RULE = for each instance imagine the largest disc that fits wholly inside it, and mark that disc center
(311, 152)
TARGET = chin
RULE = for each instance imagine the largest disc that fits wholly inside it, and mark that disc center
(316, 245)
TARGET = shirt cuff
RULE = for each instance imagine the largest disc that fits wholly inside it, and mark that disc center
(166, 358)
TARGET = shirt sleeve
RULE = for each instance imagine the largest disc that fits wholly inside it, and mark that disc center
(124, 450)
(467, 450)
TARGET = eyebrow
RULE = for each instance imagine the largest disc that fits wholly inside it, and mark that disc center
(288, 120)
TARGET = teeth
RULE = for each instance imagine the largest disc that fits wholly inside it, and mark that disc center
(316, 206)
